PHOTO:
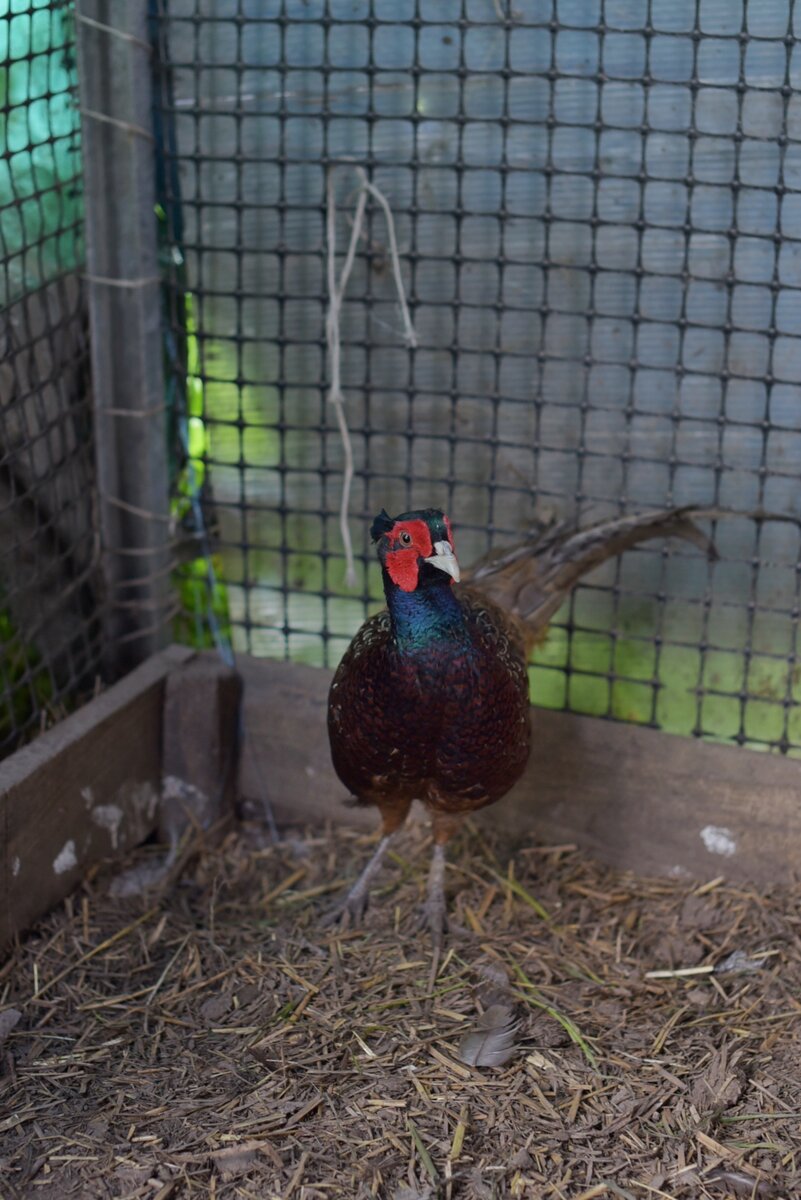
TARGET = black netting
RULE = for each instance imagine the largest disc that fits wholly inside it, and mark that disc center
(598, 210)
(49, 630)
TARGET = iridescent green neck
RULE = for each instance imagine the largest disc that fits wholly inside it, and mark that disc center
(428, 616)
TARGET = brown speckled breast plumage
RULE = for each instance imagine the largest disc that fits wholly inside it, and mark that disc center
(448, 726)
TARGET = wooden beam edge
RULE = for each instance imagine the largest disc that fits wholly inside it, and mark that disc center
(70, 731)
(636, 798)
(85, 789)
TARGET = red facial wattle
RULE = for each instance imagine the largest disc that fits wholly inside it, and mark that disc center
(447, 521)
(403, 569)
(402, 562)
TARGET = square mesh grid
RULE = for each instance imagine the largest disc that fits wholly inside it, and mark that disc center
(49, 629)
(598, 206)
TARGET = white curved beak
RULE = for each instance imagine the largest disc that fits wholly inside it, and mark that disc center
(444, 558)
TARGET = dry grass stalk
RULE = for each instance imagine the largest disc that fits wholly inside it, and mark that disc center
(163, 1053)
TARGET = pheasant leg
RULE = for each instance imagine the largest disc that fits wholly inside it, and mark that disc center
(351, 910)
(435, 909)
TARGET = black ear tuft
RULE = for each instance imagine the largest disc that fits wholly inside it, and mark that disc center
(381, 525)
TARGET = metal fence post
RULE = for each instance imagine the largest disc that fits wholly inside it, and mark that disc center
(114, 69)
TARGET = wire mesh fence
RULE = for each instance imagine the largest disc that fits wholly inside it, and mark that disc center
(50, 636)
(598, 209)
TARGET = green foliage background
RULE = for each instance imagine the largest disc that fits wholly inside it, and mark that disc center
(40, 163)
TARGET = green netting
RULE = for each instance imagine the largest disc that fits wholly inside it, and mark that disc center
(40, 164)
(50, 634)
(598, 211)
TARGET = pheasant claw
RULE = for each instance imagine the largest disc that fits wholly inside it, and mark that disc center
(434, 910)
(349, 913)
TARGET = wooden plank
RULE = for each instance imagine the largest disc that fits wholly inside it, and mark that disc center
(85, 789)
(201, 736)
(635, 798)
(123, 286)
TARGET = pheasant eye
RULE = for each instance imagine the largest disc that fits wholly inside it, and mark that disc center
(405, 538)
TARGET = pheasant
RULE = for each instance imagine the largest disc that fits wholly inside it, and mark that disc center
(431, 699)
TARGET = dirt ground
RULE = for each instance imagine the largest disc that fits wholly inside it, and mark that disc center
(213, 1039)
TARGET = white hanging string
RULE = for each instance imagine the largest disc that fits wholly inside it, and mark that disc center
(336, 296)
